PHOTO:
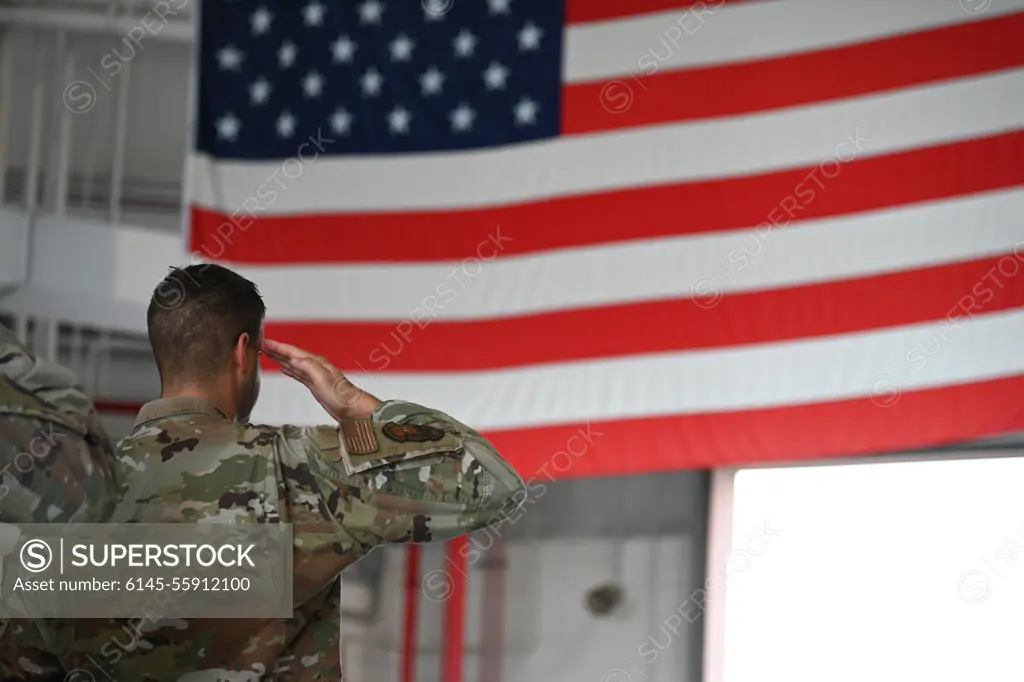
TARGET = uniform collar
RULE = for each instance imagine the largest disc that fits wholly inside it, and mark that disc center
(169, 407)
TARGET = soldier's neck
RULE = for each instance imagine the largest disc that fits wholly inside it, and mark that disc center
(223, 400)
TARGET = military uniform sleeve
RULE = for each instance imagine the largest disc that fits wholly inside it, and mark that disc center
(25, 657)
(56, 460)
(408, 474)
(56, 466)
(55, 386)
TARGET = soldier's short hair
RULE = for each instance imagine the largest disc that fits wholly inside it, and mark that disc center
(195, 317)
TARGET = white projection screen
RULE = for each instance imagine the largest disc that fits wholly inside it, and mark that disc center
(890, 571)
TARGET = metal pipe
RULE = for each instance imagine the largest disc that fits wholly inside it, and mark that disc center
(709, 641)
(191, 109)
(103, 373)
(89, 165)
(412, 602)
(493, 613)
(35, 145)
(6, 95)
(120, 134)
(21, 329)
(75, 347)
(172, 30)
(58, 5)
(653, 580)
(52, 332)
(512, 645)
(693, 662)
(455, 611)
(60, 180)
(53, 123)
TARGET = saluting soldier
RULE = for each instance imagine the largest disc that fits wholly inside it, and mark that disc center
(378, 472)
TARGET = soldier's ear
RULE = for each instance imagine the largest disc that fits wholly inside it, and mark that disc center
(240, 353)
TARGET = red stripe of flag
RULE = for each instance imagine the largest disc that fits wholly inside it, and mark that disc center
(892, 421)
(913, 419)
(586, 11)
(952, 291)
(864, 184)
(907, 60)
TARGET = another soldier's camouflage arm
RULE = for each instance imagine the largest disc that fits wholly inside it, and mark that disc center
(443, 480)
(23, 368)
(47, 415)
(53, 384)
(56, 466)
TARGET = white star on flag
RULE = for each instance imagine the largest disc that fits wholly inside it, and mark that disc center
(431, 81)
(529, 37)
(401, 48)
(495, 76)
(343, 49)
(372, 82)
(261, 20)
(312, 84)
(462, 118)
(229, 58)
(398, 120)
(464, 43)
(286, 55)
(259, 92)
(313, 14)
(286, 125)
(341, 122)
(370, 12)
(526, 111)
(227, 127)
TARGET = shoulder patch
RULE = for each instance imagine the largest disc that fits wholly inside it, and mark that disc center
(366, 445)
(359, 436)
(412, 433)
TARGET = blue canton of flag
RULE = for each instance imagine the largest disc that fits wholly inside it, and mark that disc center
(377, 76)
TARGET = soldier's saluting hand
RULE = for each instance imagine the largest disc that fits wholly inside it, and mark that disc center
(329, 386)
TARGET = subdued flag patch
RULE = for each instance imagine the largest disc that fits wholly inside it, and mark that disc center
(359, 436)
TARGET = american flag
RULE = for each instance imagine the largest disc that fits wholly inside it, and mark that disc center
(650, 234)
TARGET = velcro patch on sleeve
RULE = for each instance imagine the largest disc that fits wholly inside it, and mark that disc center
(359, 437)
(368, 445)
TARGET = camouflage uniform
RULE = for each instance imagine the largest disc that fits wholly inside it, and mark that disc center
(407, 474)
(56, 466)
